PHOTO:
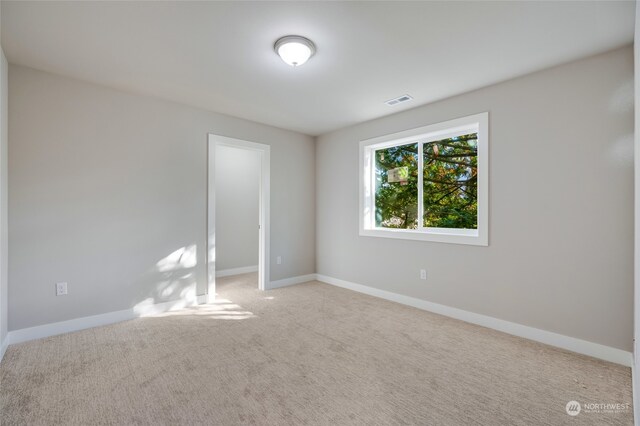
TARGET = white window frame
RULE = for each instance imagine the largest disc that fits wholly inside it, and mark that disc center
(471, 124)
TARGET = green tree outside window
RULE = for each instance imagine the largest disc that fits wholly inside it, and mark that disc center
(450, 184)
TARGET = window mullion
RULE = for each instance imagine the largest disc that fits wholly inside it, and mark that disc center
(420, 186)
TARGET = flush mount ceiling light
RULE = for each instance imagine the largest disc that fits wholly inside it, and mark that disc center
(294, 50)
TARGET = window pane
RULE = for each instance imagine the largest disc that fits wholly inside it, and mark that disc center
(397, 187)
(451, 182)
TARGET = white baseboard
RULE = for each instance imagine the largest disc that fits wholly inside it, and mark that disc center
(141, 310)
(584, 347)
(76, 324)
(3, 347)
(565, 342)
(291, 281)
(236, 271)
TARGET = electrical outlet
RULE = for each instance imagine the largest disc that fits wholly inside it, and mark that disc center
(279, 260)
(61, 289)
(423, 274)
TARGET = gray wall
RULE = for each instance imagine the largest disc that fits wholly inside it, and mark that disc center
(4, 286)
(636, 304)
(560, 254)
(237, 202)
(106, 185)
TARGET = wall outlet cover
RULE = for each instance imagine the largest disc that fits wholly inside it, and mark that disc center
(61, 289)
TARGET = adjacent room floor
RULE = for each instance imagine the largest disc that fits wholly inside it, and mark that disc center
(306, 354)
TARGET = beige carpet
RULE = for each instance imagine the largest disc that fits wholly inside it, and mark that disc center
(307, 354)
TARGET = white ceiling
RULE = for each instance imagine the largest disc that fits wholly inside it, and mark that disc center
(219, 55)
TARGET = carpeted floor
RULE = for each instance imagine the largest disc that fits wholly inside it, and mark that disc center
(306, 354)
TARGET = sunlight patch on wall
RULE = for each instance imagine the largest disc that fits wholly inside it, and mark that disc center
(622, 99)
(621, 151)
(183, 258)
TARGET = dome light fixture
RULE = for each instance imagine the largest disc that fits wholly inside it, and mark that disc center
(294, 50)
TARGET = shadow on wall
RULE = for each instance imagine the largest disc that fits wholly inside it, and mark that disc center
(175, 279)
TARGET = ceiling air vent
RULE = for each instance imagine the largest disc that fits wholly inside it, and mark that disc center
(398, 100)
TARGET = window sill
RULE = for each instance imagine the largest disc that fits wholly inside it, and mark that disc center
(462, 236)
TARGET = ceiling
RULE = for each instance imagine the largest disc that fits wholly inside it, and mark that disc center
(219, 55)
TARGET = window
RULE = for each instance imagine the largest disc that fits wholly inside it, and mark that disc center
(429, 183)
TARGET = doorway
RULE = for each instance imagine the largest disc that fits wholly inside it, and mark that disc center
(236, 150)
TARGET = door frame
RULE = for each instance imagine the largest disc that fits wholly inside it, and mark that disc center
(263, 217)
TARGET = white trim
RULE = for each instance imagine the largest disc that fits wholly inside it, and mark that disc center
(458, 236)
(421, 227)
(263, 222)
(236, 271)
(474, 123)
(584, 347)
(291, 281)
(77, 324)
(3, 347)
(53, 329)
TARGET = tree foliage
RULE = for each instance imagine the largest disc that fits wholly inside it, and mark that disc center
(450, 189)
(397, 203)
